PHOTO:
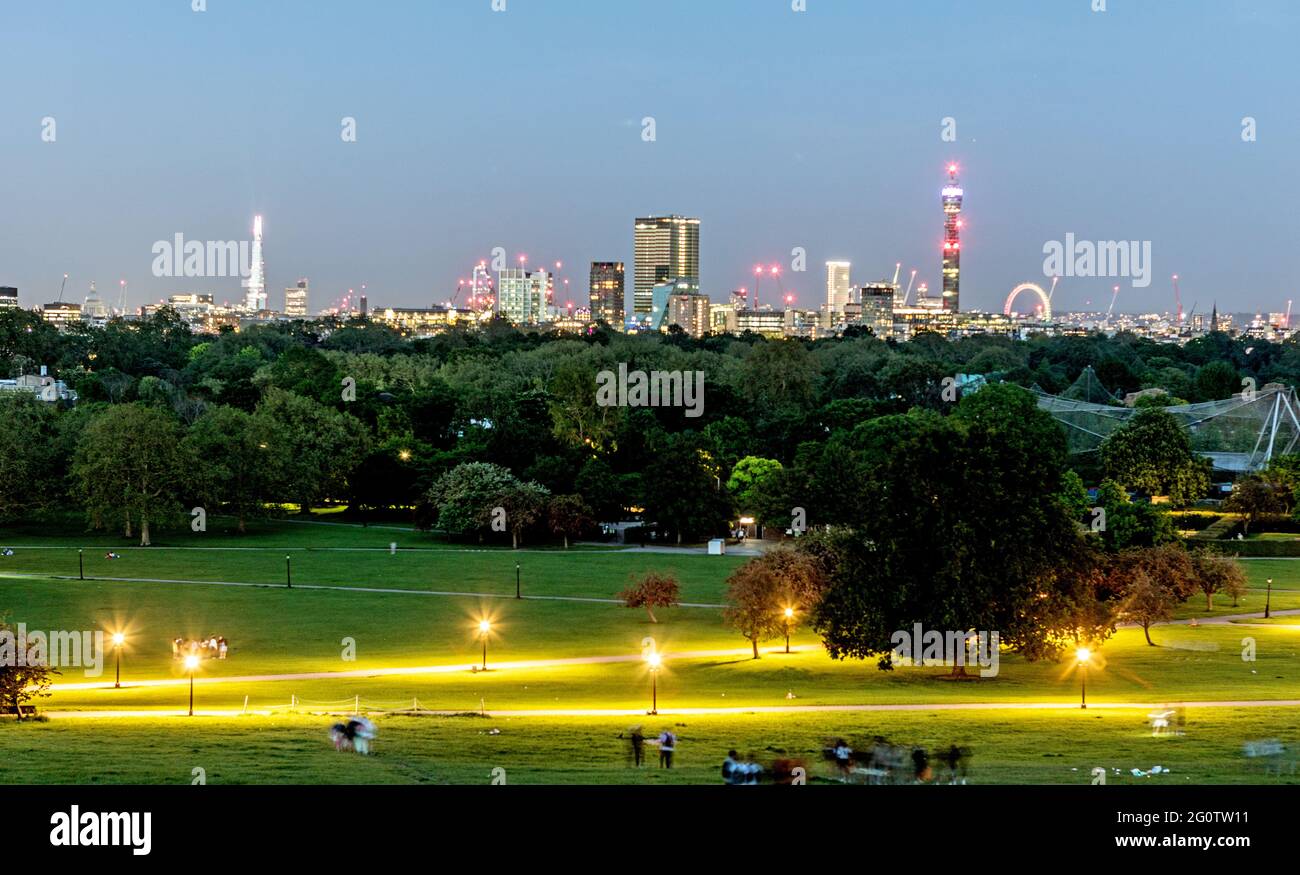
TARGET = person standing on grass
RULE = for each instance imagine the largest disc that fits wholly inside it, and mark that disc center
(667, 745)
(637, 738)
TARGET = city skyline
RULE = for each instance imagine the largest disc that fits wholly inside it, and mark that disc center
(1059, 147)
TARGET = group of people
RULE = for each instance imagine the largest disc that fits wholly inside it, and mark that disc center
(354, 735)
(7, 551)
(886, 763)
(666, 742)
(211, 647)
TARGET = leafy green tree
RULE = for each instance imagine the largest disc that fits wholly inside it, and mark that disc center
(1255, 497)
(462, 500)
(960, 529)
(683, 490)
(524, 504)
(754, 484)
(235, 458)
(319, 447)
(29, 460)
(1151, 454)
(1217, 380)
(130, 464)
(568, 517)
(1218, 574)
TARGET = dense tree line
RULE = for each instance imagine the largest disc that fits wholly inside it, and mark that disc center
(248, 421)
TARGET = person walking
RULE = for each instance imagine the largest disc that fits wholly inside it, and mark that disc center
(667, 747)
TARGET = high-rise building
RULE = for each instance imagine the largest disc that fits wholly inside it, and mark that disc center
(666, 248)
(296, 301)
(608, 293)
(837, 286)
(255, 285)
(522, 295)
(878, 308)
(8, 297)
(952, 200)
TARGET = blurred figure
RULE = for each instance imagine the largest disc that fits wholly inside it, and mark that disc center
(363, 732)
(842, 754)
(730, 767)
(637, 739)
(921, 765)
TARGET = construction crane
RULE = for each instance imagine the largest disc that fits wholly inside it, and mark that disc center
(62, 287)
(121, 297)
(1113, 298)
(897, 268)
(1178, 300)
(1052, 291)
(1286, 323)
(907, 294)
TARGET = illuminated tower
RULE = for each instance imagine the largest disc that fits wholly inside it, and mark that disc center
(255, 285)
(666, 248)
(952, 197)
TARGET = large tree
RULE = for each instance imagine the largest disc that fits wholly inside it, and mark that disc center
(320, 447)
(130, 465)
(1152, 454)
(235, 460)
(960, 529)
(760, 592)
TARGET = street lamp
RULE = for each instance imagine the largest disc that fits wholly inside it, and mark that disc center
(1268, 599)
(484, 627)
(1082, 655)
(288, 573)
(118, 640)
(517, 595)
(81, 565)
(654, 661)
(789, 615)
(191, 663)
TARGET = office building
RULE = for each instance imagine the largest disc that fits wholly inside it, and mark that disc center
(666, 248)
(607, 293)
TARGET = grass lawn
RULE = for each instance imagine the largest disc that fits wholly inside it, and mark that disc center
(278, 631)
(1054, 747)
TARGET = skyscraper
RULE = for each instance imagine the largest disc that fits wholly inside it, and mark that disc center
(837, 286)
(295, 301)
(522, 295)
(666, 248)
(608, 293)
(255, 285)
(8, 297)
(952, 198)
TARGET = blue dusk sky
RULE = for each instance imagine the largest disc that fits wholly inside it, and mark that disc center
(522, 129)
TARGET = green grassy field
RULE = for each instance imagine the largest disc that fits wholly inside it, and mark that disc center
(277, 631)
(1055, 747)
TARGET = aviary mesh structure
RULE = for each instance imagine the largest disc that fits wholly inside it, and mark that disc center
(1241, 434)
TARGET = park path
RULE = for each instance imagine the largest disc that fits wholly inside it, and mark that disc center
(423, 669)
(733, 710)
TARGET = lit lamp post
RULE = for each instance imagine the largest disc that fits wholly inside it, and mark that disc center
(517, 595)
(484, 627)
(191, 663)
(118, 640)
(81, 565)
(288, 573)
(1268, 599)
(1082, 655)
(789, 615)
(654, 662)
